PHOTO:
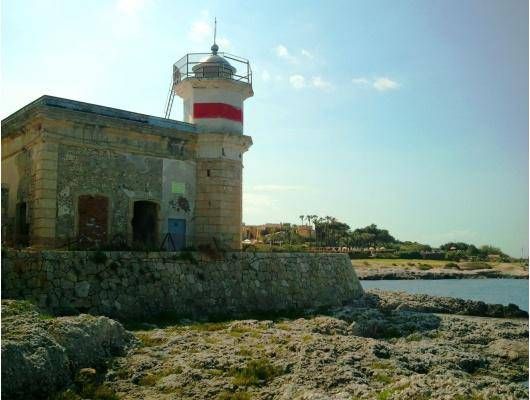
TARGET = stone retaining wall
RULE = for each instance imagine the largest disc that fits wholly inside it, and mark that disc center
(142, 285)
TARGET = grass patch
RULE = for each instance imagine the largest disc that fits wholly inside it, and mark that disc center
(424, 267)
(152, 378)
(87, 391)
(255, 373)
(243, 351)
(148, 341)
(283, 326)
(470, 266)
(414, 337)
(66, 395)
(215, 372)
(209, 326)
(382, 365)
(234, 396)
(475, 396)
(19, 307)
(382, 378)
(385, 394)
(452, 265)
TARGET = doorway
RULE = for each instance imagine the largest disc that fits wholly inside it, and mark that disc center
(144, 223)
(22, 225)
(177, 230)
(93, 212)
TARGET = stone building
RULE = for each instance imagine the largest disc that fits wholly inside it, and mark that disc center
(81, 173)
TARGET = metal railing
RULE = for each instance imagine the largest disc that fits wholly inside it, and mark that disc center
(186, 67)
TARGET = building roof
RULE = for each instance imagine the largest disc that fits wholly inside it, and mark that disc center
(79, 106)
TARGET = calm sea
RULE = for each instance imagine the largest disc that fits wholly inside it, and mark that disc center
(496, 291)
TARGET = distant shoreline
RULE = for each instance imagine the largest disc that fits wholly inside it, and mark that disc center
(424, 269)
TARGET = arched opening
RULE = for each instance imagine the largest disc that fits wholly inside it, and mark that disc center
(145, 223)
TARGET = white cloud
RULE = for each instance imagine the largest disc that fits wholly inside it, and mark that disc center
(320, 83)
(125, 17)
(383, 83)
(283, 53)
(307, 54)
(300, 82)
(130, 6)
(360, 81)
(201, 33)
(297, 81)
(265, 76)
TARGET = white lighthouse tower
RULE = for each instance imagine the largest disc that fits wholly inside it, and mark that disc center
(214, 87)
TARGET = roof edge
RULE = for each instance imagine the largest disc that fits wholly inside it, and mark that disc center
(110, 112)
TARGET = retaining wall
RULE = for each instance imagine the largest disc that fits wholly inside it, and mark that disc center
(143, 285)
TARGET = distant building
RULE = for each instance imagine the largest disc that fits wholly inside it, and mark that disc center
(256, 233)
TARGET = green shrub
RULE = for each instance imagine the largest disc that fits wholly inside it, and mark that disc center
(452, 265)
(409, 254)
(359, 254)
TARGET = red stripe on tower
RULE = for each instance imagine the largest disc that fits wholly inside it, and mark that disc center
(217, 110)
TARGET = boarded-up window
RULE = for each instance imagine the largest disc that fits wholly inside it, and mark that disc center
(93, 217)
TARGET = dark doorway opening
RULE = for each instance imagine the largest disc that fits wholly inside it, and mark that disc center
(144, 223)
(22, 225)
(93, 220)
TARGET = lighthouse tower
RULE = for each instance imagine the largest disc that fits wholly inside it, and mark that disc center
(214, 87)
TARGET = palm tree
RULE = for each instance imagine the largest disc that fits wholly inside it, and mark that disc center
(302, 219)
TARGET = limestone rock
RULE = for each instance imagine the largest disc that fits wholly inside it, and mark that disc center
(40, 355)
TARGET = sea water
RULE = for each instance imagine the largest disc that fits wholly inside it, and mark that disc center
(495, 291)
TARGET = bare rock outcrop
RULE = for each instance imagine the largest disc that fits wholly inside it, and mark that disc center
(40, 354)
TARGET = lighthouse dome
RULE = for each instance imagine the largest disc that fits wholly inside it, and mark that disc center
(214, 66)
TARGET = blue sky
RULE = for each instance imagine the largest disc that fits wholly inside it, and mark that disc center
(412, 115)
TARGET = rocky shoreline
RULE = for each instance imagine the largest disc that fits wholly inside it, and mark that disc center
(386, 345)
(439, 273)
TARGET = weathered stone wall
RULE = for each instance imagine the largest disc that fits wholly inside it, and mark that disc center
(142, 285)
(121, 177)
